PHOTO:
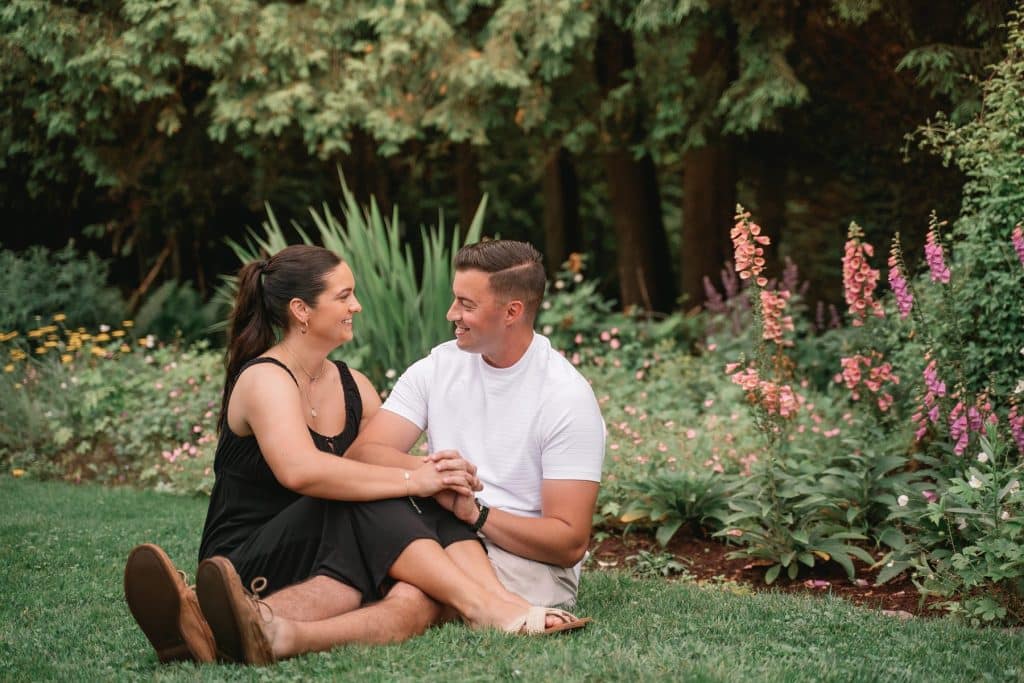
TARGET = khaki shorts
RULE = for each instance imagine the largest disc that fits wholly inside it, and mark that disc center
(539, 583)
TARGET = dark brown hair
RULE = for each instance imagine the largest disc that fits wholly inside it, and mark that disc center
(516, 270)
(261, 304)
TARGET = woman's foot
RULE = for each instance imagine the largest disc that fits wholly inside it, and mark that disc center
(244, 627)
(511, 616)
(165, 608)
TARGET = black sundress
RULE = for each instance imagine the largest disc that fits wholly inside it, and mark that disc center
(270, 531)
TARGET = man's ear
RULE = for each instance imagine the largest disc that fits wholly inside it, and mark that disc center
(514, 311)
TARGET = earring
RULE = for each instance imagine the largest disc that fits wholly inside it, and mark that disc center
(305, 327)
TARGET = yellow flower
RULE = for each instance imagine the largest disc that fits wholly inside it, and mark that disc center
(98, 351)
(17, 472)
(51, 344)
(17, 385)
(47, 329)
(35, 333)
(66, 358)
(125, 348)
(117, 333)
(59, 317)
(9, 367)
(40, 350)
(128, 323)
(7, 336)
(102, 337)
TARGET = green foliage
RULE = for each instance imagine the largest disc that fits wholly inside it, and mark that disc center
(175, 310)
(963, 533)
(404, 306)
(141, 417)
(988, 149)
(649, 565)
(687, 500)
(38, 283)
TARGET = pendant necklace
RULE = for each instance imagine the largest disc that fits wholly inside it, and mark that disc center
(312, 378)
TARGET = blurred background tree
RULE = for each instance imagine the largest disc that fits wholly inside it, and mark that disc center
(150, 131)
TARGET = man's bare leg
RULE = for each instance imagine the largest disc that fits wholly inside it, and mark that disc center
(319, 597)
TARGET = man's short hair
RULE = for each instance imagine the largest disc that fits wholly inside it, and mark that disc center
(516, 270)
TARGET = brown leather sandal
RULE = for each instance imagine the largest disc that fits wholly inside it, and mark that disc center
(165, 607)
(234, 614)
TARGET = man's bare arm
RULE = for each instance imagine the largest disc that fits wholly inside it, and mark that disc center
(561, 534)
(386, 439)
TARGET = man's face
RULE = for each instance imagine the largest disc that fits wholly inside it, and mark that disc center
(478, 315)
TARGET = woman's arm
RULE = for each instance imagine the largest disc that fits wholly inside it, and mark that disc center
(267, 401)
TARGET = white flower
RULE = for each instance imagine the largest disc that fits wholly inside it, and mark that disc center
(390, 373)
(547, 329)
(1004, 515)
(546, 305)
(974, 482)
(1019, 389)
(983, 457)
(559, 284)
(104, 328)
(902, 501)
(578, 277)
(961, 523)
(1014, 486)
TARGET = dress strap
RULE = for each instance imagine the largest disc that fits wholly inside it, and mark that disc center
(266, 359)
(353, 401)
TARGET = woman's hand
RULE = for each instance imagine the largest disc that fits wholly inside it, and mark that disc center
(426, 480)
(450, 461)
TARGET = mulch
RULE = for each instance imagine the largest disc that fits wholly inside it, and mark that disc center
(705, 559)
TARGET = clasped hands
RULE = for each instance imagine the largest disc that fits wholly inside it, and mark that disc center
(452, 481)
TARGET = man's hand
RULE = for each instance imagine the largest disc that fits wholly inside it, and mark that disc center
(462, 506)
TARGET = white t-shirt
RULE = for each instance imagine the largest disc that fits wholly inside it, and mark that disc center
(535, 420)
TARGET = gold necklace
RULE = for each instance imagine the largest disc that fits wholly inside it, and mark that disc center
(312, 378)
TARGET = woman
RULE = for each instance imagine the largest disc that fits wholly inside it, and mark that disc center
(322, 533)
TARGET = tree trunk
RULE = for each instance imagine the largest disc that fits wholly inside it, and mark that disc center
(644, 263)
(562, 234)
(467, 185)
(770, 195)
(709, 203)
(709, 179)
(366, 174)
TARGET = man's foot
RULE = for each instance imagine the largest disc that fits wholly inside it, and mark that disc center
(242, 633)
(165, 608)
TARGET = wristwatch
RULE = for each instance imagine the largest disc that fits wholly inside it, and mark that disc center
(484, 510)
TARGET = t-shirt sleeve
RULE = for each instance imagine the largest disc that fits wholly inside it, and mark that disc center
(409, 397)
(574, 435)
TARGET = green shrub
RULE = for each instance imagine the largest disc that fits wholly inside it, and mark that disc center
(174, 310)
(116, 414)
(37, 283)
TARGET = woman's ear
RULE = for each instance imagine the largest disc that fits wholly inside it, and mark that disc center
(298, 310)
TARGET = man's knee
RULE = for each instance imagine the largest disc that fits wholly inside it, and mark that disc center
(416, 609)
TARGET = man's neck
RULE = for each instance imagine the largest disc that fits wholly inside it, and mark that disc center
(512, 351)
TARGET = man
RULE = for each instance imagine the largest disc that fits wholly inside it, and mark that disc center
(506, 401)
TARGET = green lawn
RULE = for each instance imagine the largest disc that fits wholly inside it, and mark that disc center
(63, 617)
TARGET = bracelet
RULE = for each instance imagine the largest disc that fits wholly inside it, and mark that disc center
(409, 495)
(484, 511)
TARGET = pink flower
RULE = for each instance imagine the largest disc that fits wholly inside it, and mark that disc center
(934, 256)
(930, 496)
(1018, 243)
(900, 288)
(746, 237)
(859, 278)
(773, 304)
(1016, 418)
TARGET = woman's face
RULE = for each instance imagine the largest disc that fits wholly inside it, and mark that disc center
(336, 306)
